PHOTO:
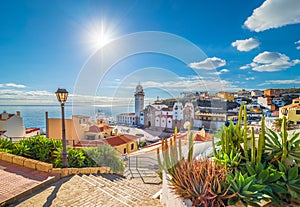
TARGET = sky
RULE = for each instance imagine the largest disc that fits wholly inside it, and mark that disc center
(100, 50)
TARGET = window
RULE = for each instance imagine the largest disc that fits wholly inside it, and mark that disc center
(132, 146)
(297, 111)
(124, 151)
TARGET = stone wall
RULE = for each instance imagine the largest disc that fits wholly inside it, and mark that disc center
(48, 168)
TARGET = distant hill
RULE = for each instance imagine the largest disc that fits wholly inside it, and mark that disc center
(290, 90)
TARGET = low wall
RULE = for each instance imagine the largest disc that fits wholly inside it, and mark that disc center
(168, 198)
(48, 168)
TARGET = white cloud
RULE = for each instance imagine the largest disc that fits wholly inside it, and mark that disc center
(245, 45)
(12, 85)
(274, 14)
(250, 78)
(221, 72)
(244, 67)
(224, 70)
(208, 63)
(298, 45)
(271, 62)
(281, 82)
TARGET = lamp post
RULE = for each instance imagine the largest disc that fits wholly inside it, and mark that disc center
(62, 95)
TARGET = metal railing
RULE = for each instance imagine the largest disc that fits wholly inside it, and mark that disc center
(139, 163)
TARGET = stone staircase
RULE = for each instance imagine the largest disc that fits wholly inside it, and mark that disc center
(96, 190)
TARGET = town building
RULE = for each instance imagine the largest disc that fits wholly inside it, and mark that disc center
(188, 113)
(266, 102)
(278, 101)
(257, 93)
(178, 114)
(272, 92)
(123, 143)
(77, 128)
(11, 126)
(158, 115)
(126, 118)
(244, 93)
(291, 111)
(226, 95)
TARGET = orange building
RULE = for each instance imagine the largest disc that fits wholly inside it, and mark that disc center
(78, 128)
(272, 92)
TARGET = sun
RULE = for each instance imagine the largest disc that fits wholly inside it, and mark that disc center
(98, 35)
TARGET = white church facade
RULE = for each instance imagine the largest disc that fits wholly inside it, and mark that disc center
(157, 115)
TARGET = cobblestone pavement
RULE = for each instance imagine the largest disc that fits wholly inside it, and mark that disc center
(94, 190)
(15, 180)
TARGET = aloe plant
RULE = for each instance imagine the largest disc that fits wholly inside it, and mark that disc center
(202, 181)
(230, 161)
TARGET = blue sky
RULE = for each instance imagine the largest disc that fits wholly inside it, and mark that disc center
(251, 44)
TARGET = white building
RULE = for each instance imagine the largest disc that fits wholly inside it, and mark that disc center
(11, 126)
(188, 113)
(178, 114)
(256, 93)
(126, 118)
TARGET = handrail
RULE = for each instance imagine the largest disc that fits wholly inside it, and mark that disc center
(137, 165)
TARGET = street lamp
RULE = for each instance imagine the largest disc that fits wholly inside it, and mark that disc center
(62, 95)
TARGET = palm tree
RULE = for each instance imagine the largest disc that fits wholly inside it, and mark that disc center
(290, 125)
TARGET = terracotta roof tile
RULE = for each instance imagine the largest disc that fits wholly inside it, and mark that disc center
(120, 139)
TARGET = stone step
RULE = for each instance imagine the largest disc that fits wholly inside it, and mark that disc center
(95, 190)
(140, 172)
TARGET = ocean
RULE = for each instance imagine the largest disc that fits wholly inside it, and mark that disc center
(34, 115)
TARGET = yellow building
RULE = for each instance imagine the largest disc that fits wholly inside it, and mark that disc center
(123, 143)
(291, 111)
(226, 95)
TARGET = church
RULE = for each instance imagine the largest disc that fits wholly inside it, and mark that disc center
(157, 115)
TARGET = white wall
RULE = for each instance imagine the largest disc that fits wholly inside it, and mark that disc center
(15, 127)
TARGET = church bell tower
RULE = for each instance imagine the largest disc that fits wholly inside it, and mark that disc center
(139, 102)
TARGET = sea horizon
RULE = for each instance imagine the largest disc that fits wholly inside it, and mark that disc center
(34, 115)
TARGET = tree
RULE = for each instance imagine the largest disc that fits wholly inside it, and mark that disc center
(106, 155)
(289, 124)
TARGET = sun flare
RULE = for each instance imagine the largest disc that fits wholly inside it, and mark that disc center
(98, 35)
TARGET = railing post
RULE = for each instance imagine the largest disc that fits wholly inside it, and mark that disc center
(136, 162)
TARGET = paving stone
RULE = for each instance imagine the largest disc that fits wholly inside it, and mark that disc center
(91, 190)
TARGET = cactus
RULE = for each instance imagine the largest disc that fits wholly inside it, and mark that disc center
(261, 141)
(170, 153)
(245, 135)
(252, 146)
(284, 140)
(191, 147)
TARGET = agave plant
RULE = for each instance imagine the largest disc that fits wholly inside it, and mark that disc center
(283, 147)
(246, 189)
(268, 176)
(290, 182)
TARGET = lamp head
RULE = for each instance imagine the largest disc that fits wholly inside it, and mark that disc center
(62, 95)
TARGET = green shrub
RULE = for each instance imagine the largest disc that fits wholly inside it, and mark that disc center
(105, 155)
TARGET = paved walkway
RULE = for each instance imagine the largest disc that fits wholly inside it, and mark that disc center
(90, 190)
(16, 181)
